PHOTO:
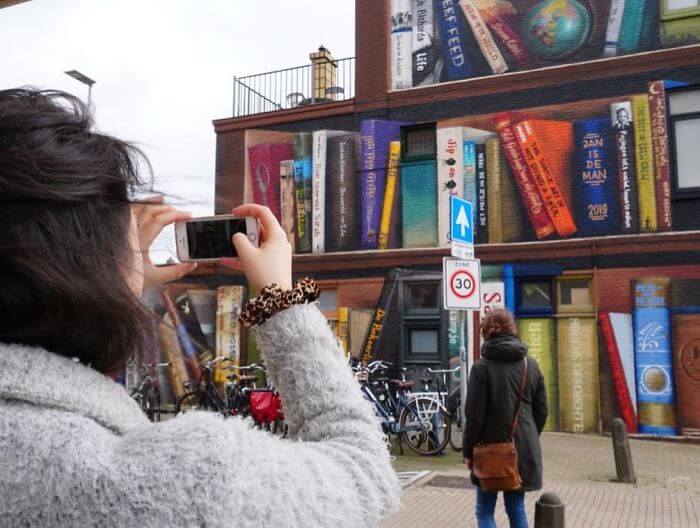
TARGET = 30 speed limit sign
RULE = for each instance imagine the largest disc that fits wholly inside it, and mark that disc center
(461, 284)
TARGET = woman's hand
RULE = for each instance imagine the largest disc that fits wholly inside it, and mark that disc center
(269, 263)
(468, 463)
(151, 218)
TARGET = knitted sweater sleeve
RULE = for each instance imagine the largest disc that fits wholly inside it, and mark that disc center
(333, 470)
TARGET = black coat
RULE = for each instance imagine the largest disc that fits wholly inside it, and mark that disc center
(492, 396)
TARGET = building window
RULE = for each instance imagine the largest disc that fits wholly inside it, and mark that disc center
(424, 341)
(684, 121)
(418, 142)
(421, 297)
(534, 297)
(422, 320)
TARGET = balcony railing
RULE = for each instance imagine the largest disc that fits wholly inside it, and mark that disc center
(294, 87)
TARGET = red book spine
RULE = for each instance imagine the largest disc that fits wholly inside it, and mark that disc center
(623, 395)
(503, 30)
(534, 205)
(662, 168)
(544, 179)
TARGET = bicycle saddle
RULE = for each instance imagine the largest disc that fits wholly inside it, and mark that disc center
(401, 384)
(246, 378)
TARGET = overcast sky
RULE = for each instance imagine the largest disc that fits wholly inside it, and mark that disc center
(164, 68)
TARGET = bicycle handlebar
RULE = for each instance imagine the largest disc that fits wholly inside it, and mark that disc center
(443, 371)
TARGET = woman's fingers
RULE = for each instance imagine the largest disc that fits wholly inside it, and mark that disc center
(268, 221)
(163, 274)
(151, 226)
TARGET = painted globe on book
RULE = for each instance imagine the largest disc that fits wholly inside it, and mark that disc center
(554, 29)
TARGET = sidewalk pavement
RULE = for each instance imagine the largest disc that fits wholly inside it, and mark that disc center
(578, 468)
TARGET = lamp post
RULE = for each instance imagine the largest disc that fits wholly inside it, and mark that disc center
(83, 79)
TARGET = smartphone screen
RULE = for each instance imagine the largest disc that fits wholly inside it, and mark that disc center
(211, 239)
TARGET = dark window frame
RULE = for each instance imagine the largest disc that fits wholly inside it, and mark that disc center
(405, 130)
(678, 191)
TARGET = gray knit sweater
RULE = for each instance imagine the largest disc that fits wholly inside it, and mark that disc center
(75, 450)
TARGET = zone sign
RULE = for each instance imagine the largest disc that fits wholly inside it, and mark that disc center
(461, 284)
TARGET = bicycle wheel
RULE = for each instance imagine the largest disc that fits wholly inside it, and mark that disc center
(456, 431)
(151, 403)
(425, 425)
(193, 401)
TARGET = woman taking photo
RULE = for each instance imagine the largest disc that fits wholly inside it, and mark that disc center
(75, 449)
(505, 400)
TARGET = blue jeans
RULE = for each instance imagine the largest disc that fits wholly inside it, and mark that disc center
(486, 505)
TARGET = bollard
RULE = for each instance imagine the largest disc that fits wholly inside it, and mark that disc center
(623, 454)
(549, 511)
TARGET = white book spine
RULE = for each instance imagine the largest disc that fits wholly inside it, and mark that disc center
(612, 35)
(483, 36)
(287, 199)
(450, 177)
(621, 324)
(318, 191)
(401, 44)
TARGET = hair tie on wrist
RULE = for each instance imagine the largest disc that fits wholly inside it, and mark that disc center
(273, 299)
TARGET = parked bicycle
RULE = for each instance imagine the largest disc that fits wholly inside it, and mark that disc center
(241, 396)
(418, 419)
(450, 399)
(147, 394)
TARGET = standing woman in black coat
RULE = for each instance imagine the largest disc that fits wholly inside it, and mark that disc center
(492, 399)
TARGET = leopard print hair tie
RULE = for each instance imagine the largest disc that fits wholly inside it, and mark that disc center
(272, 300)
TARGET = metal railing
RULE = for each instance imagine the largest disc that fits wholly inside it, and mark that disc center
(293, 87)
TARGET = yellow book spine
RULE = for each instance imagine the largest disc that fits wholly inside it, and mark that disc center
(493, 190)
(644, 156)
(343, 322)
(392, 173)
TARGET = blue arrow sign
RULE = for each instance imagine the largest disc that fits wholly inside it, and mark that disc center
(461, 221)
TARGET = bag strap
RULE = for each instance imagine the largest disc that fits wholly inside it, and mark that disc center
(523, 378)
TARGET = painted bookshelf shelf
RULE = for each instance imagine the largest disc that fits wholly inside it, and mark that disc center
(576, 248)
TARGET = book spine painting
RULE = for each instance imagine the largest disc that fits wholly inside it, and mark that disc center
(423, 43)
(538, 334)
(544, 180)
(662, 166)
(482, 204)
(342, 193)
(494, 195)
(578, 371)
(686, 366)
(653, 356)
(388, 211)
(287, 209)
(621, 114)
(303, 173)
(501, 20)
(401, 44)
(612, 35)
(189, 349)
(630, 39)
(375, 136)
(318, 192)
(597, 202)
(381, 313)
(620, 351)
(450, 179)
(470, 185)
(343, 330)
(229, 302)
(644, 150)
(483, 37)
(453, 40)
(419, 204)
(532, 200)
(193, 327)
(177, 370)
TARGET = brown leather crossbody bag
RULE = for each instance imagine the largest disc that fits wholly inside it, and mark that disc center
(496, 465)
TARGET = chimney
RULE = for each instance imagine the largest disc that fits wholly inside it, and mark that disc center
(324, 74)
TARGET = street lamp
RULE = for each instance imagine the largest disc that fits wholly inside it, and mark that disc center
(83, 79)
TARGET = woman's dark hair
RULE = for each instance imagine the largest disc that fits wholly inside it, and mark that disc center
(64, 224)
(498, 322)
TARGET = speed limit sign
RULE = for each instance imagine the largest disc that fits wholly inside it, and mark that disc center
(461, 284)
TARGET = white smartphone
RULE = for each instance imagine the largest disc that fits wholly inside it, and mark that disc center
(208, 238)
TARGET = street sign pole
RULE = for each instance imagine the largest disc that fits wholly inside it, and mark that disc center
(463, 370)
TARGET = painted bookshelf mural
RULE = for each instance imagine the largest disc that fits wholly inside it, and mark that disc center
(434, 41)
(589, 168)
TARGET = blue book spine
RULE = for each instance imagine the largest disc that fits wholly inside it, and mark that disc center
(632, 29)
(375, 137)
(453, 39)
(653, 356)
(509, 286)
(597, 207)
(470, 185)
(419, 199)
(481, 233)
